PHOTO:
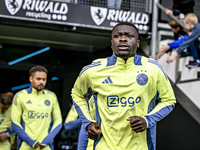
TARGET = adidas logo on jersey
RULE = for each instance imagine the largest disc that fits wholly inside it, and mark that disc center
(28, 102)
(107, 81)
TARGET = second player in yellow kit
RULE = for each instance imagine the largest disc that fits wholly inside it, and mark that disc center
(32, 111)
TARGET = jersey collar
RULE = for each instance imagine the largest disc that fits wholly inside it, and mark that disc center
(113, 59)
(32, 90)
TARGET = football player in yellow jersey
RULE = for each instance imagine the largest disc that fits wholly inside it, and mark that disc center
(32, 111)
(5, 121)
(131, 93)
(73, 121)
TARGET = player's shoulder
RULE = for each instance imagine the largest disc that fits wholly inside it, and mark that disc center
(155, 66)
(18, 95)
(151, 62)
(95, 65)
(21, 93)
(8, 111)
(51, 93)
(51, 96)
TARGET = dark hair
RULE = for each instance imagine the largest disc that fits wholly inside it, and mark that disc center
(173, 24)
(6, 99)
(128, 24)
(37, 68)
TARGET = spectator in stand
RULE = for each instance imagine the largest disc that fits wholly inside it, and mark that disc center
(176, 28)
(192, 26)
(181, 8)
(178, 33)
(191, 51)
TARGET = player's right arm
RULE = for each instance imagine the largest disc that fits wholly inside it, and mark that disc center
(80, 89)
(16, 115)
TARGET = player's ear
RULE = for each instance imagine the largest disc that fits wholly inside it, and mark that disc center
(31, 79)
(138, 43)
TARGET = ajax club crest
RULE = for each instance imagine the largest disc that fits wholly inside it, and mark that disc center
(98, 14)
(142, 79)
(13, 6)
(47, 102)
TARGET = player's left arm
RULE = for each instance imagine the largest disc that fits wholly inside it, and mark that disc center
(57, 123)
(165, 97)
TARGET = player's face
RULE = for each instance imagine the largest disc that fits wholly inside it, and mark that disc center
(38, 80)
(124, 41)
(4, 107)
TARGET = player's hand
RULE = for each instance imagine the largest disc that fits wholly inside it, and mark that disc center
(36, 145)
(3, 136)
(93, 130)
(42, 146)
(138, 124)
